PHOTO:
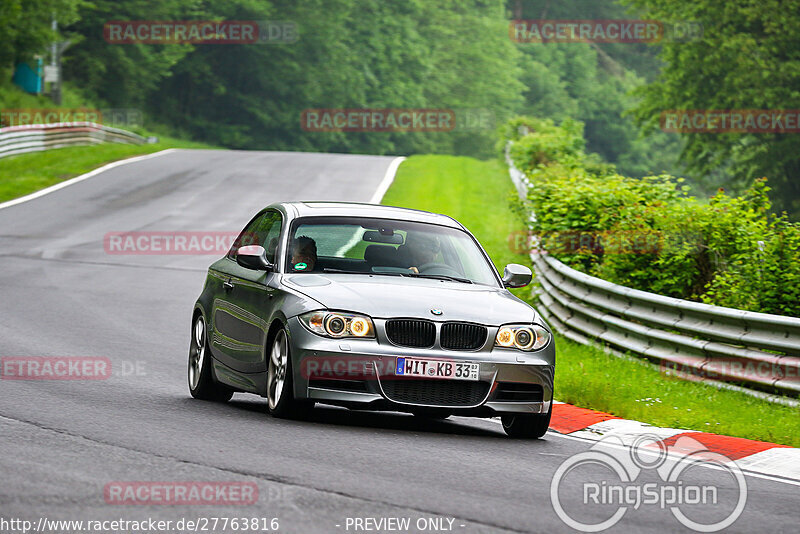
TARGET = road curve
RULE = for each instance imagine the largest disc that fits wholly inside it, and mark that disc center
(63, 441)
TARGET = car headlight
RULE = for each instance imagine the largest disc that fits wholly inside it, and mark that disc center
(522, 337)
(337, 324)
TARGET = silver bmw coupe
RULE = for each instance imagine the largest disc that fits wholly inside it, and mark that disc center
(370, 307)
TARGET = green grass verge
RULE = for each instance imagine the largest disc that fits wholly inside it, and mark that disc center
(479, 194)
(476, 193)
(26, 173)
(23, 174)
(589, 377)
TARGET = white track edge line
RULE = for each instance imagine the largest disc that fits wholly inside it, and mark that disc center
(83, 177)
(388, 178)
(386, 182)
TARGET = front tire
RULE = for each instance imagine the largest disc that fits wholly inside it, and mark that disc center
(280, 382)
(526, 425)
(201, 384)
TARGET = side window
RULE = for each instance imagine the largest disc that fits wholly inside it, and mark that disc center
(264, 230)
(270, 233)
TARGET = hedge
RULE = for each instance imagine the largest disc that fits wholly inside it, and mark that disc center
(649, 233)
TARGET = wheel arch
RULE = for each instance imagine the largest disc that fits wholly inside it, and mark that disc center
(198, 310)
(277, 323)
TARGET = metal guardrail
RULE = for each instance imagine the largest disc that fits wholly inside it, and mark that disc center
(33, 138)
(688, 339)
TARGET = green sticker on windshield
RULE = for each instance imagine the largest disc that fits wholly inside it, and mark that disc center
(300, 266)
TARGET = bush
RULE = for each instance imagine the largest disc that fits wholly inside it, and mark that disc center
(648, 233)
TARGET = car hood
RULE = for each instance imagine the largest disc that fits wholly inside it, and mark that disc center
(389, 296)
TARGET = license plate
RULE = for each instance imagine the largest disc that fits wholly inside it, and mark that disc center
(437, 369)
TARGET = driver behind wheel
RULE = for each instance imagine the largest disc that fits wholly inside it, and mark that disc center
(420, 249)
(304, 254)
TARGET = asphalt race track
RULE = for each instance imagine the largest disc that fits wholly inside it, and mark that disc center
(62, 442)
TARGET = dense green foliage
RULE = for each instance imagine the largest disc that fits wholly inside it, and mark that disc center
(363, 54)
(748, 58)
(25, 26)
(452, 54)
(649, 234)
(367, 54)
(591, 82)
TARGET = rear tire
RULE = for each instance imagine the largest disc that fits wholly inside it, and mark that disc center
(527, 425)
(201, 382)
(281, 402)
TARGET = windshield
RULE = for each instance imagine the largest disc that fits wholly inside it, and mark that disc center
(387, 247)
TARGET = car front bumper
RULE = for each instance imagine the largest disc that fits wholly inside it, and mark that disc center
(357, 372)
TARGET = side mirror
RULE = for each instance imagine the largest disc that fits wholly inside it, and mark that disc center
(516, 275)
(253, 257)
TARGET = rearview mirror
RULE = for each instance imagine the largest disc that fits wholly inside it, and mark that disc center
(253, 257)
(516, 275)
(373, 236)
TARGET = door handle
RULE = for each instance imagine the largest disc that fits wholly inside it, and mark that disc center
(227, 285)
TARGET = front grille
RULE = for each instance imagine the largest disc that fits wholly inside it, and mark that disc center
(463, 336)
(435, 392)
(411, 332)
(519, 392)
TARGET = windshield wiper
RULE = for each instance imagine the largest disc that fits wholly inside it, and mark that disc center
(440, 277)
(344, 271)
(409, 274)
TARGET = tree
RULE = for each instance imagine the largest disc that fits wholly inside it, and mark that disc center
(747, 58)
(363, 54)
(121, 75)
(591, 82)
(25, 26)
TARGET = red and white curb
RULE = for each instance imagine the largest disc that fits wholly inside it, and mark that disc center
(751, 456)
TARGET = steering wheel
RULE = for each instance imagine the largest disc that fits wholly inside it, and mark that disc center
(438, 268)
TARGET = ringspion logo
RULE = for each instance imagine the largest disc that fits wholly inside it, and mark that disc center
(616, 478)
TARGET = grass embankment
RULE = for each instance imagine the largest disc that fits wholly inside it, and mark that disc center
(23, 174)
(479, 194)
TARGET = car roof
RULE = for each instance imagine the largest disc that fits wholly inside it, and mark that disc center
(357, 209)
